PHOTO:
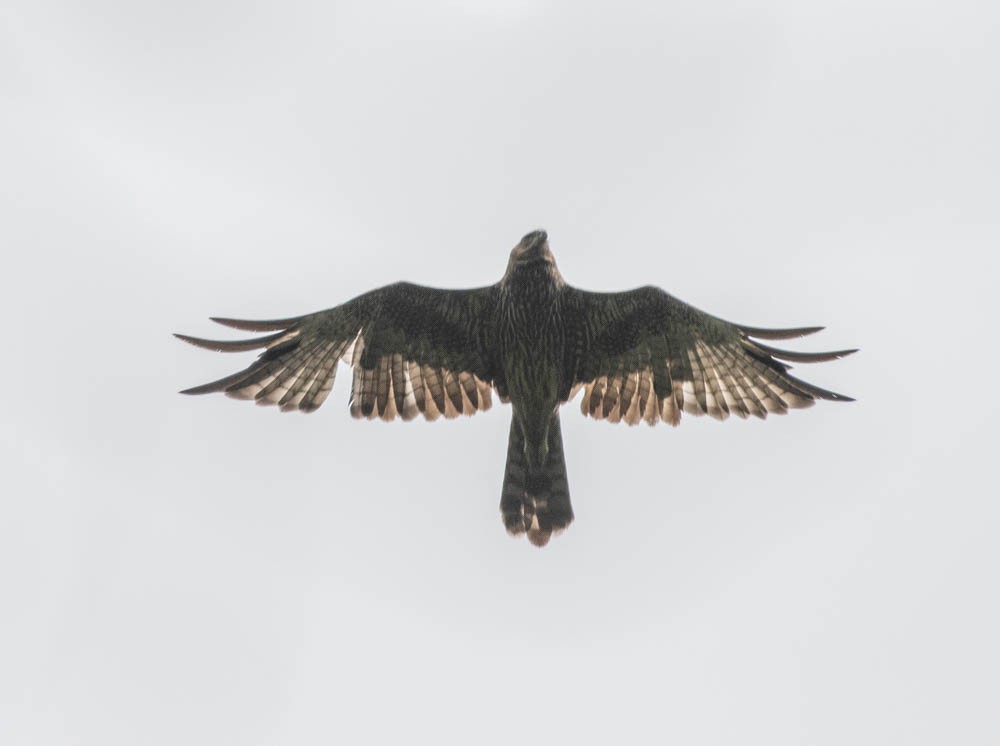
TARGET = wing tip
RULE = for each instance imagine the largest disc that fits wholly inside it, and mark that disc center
(256, 326)
(205, 344)
(271, 341)
(790, 333)
(196, 390)
(800, 357)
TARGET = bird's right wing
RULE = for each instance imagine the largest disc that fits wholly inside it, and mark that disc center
(645, 355)
(414, 350)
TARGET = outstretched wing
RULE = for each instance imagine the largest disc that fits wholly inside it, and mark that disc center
(644, 355)
(413, 349)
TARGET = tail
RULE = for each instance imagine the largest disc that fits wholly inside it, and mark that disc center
(535, 499)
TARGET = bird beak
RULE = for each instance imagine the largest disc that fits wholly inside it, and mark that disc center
(535, 240)
(533, 246)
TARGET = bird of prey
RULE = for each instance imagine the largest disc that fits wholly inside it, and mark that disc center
(638, 355)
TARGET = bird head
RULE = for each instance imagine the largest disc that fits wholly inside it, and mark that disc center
(534, 247)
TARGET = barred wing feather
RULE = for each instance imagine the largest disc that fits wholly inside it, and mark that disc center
(643, 355)
(414, 350)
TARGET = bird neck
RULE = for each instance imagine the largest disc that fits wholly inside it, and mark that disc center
(539, 277)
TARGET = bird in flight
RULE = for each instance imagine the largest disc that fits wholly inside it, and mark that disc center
(637, 355)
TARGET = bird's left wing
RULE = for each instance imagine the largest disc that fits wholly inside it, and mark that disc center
(645, 355)
(414, 350)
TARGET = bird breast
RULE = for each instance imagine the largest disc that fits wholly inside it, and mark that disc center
(532, 341)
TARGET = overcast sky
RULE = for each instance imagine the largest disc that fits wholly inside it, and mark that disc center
(202, 571)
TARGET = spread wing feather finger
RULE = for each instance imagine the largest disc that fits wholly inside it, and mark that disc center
(696, 363)
(413, 349)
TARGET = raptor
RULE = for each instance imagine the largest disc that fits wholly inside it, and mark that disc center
(638, 356)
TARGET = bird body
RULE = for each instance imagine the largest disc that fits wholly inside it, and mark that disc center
(531, 338)
(639, 355)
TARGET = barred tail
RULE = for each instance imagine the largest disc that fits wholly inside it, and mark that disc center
(535, 500)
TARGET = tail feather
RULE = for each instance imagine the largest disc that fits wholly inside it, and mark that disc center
(535, 500)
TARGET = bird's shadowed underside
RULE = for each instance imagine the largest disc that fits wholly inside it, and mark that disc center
(638, 356)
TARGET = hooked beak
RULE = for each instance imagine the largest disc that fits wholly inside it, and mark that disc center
(533, 246)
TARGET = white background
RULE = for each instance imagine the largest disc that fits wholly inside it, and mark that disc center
(201, 571)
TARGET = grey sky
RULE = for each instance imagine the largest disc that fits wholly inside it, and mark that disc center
(203, 571)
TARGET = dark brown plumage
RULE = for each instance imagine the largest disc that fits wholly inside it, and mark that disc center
(639, 355)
